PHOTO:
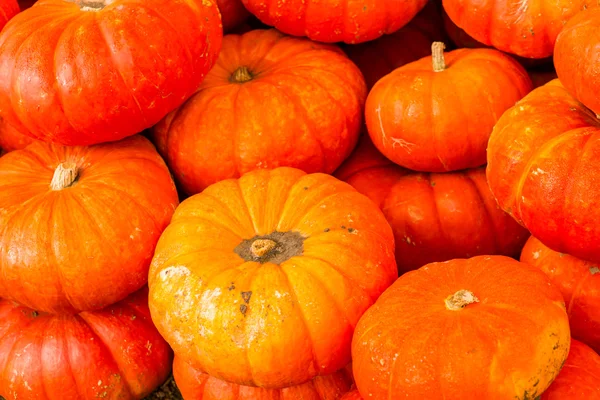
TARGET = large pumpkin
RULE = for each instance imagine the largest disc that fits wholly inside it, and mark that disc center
(435, 217)
(79, 224)
(527, 28)
(104, 69)
(11, 138)
(340, 21)
(436, 114)
(270, 101)
(115, 353)
(542, 169)
(353, 395)
(577, 56)
(8, 9)
(579, 282)
(487, 328)
(196, 385)
(260, 281)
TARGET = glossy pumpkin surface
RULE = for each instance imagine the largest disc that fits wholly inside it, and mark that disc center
(115, 353)
(436, 114)
(8, 9)
(487, 328)
(260, 281)
(104, 69)
(435, 217)
(270, 101)
(542, 169)
(11, 138)
(79, 224)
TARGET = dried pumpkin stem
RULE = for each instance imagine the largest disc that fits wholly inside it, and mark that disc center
(262, 247)
(64, 176)
(460, 299)
(437, 56)
(241, 75)
(92, 5)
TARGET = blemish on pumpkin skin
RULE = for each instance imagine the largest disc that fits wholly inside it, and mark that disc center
(243, 309)
(594, 270)
(246, 296)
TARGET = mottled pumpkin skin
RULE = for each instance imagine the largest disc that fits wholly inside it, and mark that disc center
(510, 344)
(353, 395)
(8, 9)
(11, 138)
(233, 13)
(579, 282)
(88, 245)
(103, 75)
(195, 385)
(302, 108)
(340, 21)
(441, 121)
(435, 217)
(542, 170)
(112, 354)
(270, 322)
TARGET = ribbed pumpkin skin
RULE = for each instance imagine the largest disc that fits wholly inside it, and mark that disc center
(302, 108)
(579, 282)
(435, 217)
(8, 9)
(353, 395)
(340, 21)
(103, 75)
(195, 385)
(11, 138)
(88, 245)
(112, 354)
(270, 322)
(510, 344)
(542, 169)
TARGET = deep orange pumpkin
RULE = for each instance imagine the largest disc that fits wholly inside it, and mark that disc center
(115, 353)
(436, 114)
(260, 281)
(105, 69)
(270, 101)
(8, 9)
(579, 282)
(543, 169)
(233, 13)
(11, 138)
(79, 224)
(487, 328)
(353, 395)
(435, 217)
(195, 385)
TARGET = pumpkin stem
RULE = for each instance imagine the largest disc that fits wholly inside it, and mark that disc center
(460, 299)
(241, 75)
(262, 247)
(64, 176)
(92, 5)
(437, 56)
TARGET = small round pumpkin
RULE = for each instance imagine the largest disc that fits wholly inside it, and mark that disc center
(11, 138)
(104, 69)
(196, 385)
(270, 101)
(353, 395)
(436, 114)
(8, 9)
(579, 282)
(79, 224)
(260, 280)
(113, 354)
(543, 169)
(435, 217)
(488, 327)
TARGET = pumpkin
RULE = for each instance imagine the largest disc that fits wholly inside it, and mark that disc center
(542, 170)
(577, 56)
(259, 281)
(436, 114)
(435, 217)
(114, 353)
(233, 13)
(342, 21)
(579, 282)
(79, 224)
(527, 28)
(579, 377)
(270, 101)
(8, 9)
(196, 385)
(11, 138)
(380, 57)
(353, 395)
(488, 327)
(104, 69)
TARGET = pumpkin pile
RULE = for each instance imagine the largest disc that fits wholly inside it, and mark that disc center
(299, 200)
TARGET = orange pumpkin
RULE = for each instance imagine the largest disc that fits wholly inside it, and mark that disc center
(270, 101)
(579, 282)
(435, 217)
(79, 224)
(436, 114)
(488, 327)
(196, 385)
(542, 170)
(353, 395)
(260, 281)
(8, 9)
(11, 138)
